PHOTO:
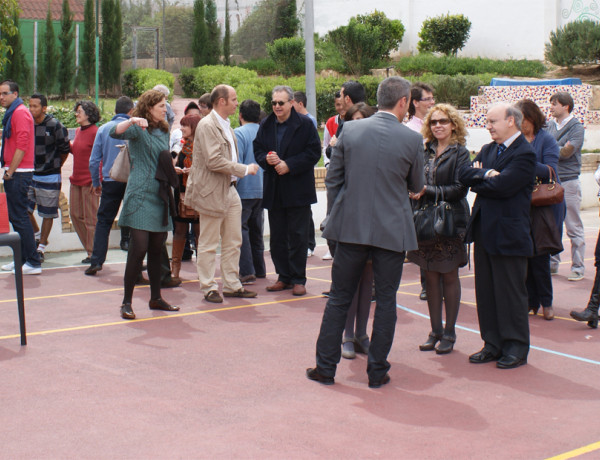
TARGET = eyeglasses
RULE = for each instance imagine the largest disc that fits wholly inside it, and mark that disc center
(440, 121)
(279, 103)
(6, 93)
(427, 99)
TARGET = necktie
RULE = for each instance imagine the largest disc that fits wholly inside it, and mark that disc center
(501, 149)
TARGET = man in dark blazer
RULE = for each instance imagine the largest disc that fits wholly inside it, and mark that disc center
(287, 147)
(502, 175)
(374, 164)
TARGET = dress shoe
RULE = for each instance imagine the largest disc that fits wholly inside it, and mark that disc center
(379, 383)
(279, 286)
(534, 310)
(361, 344)
(430, 343)
(446, 345)
(141, 281)
(124, 245)
(510, 362)
(423, 295)
(127, 311)
(213, 297)
(160, 304)
(325, 293)
(93, 269)
(548, 313)
(298, 289)
(590, 314)
(87, 260)
(483, 356)
(242, 293)
(170, 282)
(247, 279)
(348, 349)
(313, 373)
(262, 275)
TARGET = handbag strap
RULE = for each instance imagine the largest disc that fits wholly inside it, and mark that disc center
(551, 174)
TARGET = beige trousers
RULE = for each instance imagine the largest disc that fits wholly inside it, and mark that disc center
(83, 206)
(227, 229)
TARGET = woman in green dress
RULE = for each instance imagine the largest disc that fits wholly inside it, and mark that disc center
(143, 209)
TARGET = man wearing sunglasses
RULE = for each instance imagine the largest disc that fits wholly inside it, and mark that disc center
(287, 147)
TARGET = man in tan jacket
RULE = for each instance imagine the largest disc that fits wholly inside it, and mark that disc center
(211, 190)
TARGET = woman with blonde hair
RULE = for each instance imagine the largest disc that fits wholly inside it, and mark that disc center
(145, 209)
(445, 154)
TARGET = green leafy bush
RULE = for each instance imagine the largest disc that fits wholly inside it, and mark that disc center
(135, 82)
(199, 80)
(367, 40)
(288, 55)
(444, 34)
(262, 66)
(576, 43)
(451, 65)
(457, 90)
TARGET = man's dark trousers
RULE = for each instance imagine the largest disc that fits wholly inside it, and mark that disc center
(16, 190)
(348, 265)
(252, 260)
(289, 242)
(110, 201)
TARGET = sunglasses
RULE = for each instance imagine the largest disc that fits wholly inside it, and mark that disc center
(441, 121)
(279, 103)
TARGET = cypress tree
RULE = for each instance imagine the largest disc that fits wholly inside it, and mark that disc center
(213, 42)
(117, 36)
(67, 53)
(88, 47)
(106, 45)
(200, 34)
(46, 77)
(17, 69)
(227, 38)
(287, 20)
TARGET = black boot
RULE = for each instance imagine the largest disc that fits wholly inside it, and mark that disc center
(590, 314)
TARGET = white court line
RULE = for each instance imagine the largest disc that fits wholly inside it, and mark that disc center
(475, 331)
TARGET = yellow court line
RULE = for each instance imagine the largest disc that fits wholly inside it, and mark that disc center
(577, 452)
(155, 318)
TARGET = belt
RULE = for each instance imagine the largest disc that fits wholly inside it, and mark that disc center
(233, 183)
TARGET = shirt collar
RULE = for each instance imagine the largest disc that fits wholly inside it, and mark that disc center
(511, 139)
(224, 122)
(562, 124)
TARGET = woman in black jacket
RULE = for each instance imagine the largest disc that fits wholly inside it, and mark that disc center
(445, 154)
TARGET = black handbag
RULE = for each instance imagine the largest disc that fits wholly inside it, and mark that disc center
(434, 219)
(546, 234)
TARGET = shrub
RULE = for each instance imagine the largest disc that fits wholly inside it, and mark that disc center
(136, 81)
(367, 40)
(264, 66)
(457, 90)
(451, 65)
(288, 55)
(576, 43)
(199, 80)
(444, 34)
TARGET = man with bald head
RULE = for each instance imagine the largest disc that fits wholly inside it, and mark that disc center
(502, 175)
(211, 190)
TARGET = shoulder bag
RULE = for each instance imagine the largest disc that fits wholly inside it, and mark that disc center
(122, 165)
(547, 194)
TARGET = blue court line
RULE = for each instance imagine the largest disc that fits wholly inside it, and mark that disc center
(475, 331)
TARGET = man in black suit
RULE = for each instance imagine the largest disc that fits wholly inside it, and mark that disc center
(287, 147)
(374, 164)
(502, 175)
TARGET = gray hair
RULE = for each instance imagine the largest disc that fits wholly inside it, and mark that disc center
(284, 89)
(163, 89)
(391, 90)
(510, 111)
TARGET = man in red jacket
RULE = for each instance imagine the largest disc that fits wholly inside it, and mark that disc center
(17, 158)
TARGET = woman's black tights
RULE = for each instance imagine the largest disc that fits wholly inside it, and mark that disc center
(143, 242)
(443, 287)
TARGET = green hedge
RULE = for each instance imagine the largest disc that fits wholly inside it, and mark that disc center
(449, 65)
(135, 82)
(199, 80)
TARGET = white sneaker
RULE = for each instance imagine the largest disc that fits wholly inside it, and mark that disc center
(574, 276)
(8, 267)
(327, 256)
(309, 253)
(30, 270)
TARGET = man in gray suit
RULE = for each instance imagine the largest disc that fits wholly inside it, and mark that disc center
(374, 164)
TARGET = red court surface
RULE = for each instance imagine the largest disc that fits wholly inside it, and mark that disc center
(227, 381)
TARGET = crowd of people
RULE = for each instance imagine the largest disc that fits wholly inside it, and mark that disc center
(209, 184)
